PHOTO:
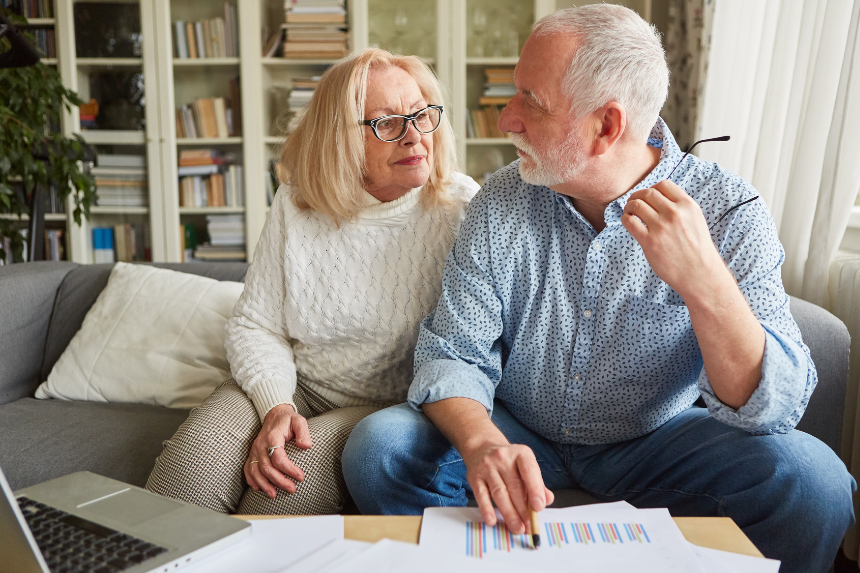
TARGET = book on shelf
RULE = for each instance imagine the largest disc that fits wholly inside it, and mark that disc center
(226, 230)
(31, 8)
(55, 245)
(121, 181)
(498, 90)
(103, 245)
(315, 29)
(208, 252)
(188, 241)
(210, 38)
(208, 178)
(208, 118)
(484, 122)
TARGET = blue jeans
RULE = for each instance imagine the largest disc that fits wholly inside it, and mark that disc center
(789, 493)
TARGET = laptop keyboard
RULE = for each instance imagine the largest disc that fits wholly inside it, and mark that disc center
(72, 545)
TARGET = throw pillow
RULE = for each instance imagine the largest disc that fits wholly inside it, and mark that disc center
(153, 336)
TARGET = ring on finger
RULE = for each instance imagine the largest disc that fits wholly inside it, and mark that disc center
(272, 449)
(255, 461)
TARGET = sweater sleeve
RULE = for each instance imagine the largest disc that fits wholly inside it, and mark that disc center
(258, 349)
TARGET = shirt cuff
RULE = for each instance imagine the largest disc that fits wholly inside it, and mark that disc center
(784, 378)
(442, 378)
(267, 394)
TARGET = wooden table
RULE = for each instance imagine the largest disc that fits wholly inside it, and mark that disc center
(713, 532)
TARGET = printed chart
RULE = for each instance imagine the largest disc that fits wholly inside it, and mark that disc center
(481, 539)
(605, 537)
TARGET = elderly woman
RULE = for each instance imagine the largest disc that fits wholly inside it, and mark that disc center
(349, 262)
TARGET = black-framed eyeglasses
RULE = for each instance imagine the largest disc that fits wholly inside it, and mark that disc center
(394, 127)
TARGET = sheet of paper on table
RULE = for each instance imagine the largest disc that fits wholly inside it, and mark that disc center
(389, 556)
(273, 545)
(716, 561)
(330, 555)
(590, 537)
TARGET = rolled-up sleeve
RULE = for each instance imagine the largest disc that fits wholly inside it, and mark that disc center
(458, 354)
(753, 253)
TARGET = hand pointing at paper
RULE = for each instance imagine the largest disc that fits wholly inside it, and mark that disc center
(497, 471)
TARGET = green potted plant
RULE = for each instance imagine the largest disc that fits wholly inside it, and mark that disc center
(31, 102)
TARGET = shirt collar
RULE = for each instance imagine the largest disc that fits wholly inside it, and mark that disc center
(670, 154)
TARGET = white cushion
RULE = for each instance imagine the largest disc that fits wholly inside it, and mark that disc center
(154, 336)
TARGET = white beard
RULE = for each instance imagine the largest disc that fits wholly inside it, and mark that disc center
(558, 165)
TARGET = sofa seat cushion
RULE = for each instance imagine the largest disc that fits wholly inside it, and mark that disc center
(46, 439)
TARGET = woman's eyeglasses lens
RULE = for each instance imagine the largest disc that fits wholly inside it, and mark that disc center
(392, 128)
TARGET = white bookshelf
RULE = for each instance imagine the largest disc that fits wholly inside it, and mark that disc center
(171, 82)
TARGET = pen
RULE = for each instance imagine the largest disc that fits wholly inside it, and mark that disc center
(535, 527)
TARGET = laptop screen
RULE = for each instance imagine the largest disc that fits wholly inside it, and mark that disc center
(17, 546)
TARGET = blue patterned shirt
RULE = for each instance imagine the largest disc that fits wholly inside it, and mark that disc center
(574, 332)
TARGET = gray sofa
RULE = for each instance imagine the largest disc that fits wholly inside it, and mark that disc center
(42, 305)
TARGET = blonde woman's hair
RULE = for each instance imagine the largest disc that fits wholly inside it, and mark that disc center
(323, 158)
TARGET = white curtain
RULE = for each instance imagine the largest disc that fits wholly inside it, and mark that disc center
(784, 83)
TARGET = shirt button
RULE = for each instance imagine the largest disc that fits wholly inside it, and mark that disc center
(597, 245)
(577, 377)
(586, 313)
(567, 431)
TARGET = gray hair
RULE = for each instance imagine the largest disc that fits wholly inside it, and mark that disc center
(619, 58)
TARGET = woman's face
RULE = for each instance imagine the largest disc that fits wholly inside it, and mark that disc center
(396, 167)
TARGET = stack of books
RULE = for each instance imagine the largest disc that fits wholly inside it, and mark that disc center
(226, 239)
(315, 29)
(300, 96)
(210, 179)
(213, 117)
(210, 38)
(498, 91)
(121, 181)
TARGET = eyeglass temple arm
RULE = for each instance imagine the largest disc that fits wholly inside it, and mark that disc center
(721, 138)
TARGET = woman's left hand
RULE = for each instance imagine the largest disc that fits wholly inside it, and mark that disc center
(269, 474)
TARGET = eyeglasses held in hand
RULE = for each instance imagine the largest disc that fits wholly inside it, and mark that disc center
(721, 138)
(394, 127)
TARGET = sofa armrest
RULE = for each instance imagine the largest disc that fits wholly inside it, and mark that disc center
(27, 294)
(828, 342)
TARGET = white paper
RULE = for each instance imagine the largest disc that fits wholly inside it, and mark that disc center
(593, 537)
(716, 561)
(334, 553)
(273, 545)
(389, 556)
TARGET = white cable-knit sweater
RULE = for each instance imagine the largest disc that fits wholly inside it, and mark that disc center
(339, 308)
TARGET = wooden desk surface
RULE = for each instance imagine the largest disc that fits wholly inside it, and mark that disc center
(713, 532)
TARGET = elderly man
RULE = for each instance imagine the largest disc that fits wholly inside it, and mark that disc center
(591, 297)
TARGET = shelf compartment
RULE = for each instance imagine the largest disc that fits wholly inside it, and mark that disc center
(113, 137)
(209, 141)
(191, 62)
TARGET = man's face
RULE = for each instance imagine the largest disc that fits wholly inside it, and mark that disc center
(548, 138)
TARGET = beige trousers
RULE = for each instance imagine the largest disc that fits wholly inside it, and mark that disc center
(202, 463)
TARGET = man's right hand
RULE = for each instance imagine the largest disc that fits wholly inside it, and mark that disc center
(282, 424)
(509, 475)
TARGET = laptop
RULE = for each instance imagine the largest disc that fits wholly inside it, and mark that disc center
(85, 522)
